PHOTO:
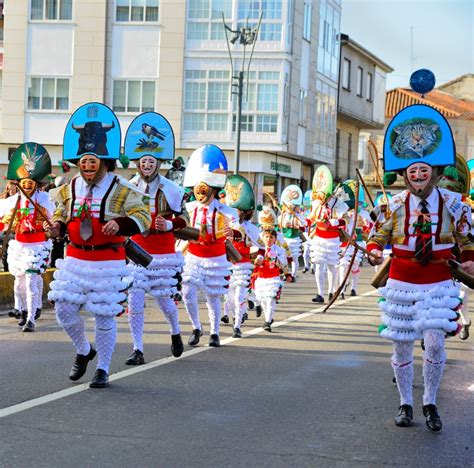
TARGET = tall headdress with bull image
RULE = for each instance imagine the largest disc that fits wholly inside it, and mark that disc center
(29, 161)
(93, 129)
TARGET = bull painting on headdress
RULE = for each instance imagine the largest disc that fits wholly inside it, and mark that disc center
(93, 137)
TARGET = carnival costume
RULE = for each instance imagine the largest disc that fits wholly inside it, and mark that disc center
(206, 266)
(291, 223)
(29, 252)
(307, 243)
(164, 198)
(424, 223)
(240, 196)
(98, 209)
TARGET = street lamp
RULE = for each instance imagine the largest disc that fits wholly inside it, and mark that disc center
(245, 36)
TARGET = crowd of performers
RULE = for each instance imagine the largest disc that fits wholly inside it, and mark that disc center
(202, 236)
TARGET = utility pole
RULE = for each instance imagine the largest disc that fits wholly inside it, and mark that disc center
(246, 36)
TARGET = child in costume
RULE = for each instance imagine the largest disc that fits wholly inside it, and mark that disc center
(239, 195)
(425, 222)
(97, 209)
(270, 264)
(164, 199)
(206, 266)
(29, 252)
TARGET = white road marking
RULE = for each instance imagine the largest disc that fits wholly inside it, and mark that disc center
(26, 405)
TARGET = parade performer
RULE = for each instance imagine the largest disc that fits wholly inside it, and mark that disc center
(420, 298)
(164, 198)
(240, 196)
(270, 264)
(325, 222)
(307, 199)
(206, 266)
(98, 209)
(29, 252)
(291, 223)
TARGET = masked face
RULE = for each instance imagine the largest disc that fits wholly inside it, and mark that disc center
(148, 167)
(28, 186)
(419, 178)
(91, 168)
(203, 193)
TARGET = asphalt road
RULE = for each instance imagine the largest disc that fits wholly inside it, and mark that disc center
(316, 391)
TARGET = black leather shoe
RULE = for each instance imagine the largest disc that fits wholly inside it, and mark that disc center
(330, 296)
(305, 270)
(245, 316)
(13, 313)
(24, 315)
(79, 367)
(342, 296)
(37, 314)
(433, 420)
(237, 333)
(225, 319)
(404, 416)
(422, 344)
(100, 379)
(353, 292)
(250, 304)
(18, 314)
(177, 346)
(319, 299)
(258, 311)
(214, 341)
(135, 359)
(267, 326)
(29, 327)
(194, 338)
(464, 335)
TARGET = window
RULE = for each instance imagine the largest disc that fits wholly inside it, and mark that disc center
(307, 21)
(360, 79)
(48, 93)
(271, 26)
(328, 44)
(137, 11)
(51, 10)
(303, 107)
(369, 91)
(133, 96)
(346, 74)
(205, 19)
(206, 100)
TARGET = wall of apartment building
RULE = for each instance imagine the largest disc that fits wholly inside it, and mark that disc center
(347, 148)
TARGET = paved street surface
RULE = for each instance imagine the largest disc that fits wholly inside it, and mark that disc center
(317, 391)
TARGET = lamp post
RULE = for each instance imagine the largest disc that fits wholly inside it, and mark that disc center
(245, 36)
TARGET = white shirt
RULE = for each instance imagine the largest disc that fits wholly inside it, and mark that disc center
(99, 190)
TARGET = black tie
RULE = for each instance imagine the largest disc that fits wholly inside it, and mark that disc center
(85, 228)
(424, 243)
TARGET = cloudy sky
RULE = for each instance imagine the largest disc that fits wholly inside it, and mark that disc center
(443, 35)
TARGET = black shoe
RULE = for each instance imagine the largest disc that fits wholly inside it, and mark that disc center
(37, 314)
(135, 359)
(17, 314)
(433, 420)
(100, 379)
(225, 319)
(14, 313)
(293, 279)
(422, 344)
(353, 292)
(258, 311)
(250, 304)
(237, 333)
(342, 296)
(330, 296)
(404, 416)
(79, 367)
(312, 271)
(319, 299)
(194, 338)
(24, 315)
(245, 317)
(267, 326)
(464, 335)
(29, 327)
(214, 341)
(394, 380)
(177, 346)
(305, 270)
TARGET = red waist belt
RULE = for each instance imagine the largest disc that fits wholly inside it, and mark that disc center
(158, 244)
(207, 251)
(327, 231)
(405, 267)
(30, 237)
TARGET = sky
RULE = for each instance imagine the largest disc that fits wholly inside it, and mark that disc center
(443, 35)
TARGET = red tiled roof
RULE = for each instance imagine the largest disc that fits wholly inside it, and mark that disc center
(448, 105)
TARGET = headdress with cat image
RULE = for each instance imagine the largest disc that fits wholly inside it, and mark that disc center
(239, 193)
(29, 161)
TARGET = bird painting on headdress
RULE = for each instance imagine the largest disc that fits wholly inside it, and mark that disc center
(151, 132)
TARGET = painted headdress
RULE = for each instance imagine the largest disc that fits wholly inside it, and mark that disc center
(149, 134)
(322, 181)
(267, 217)
(29, 161)
(92, 129)
(291, 196)
(307, 198)
(239, 193)
(208, 165)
